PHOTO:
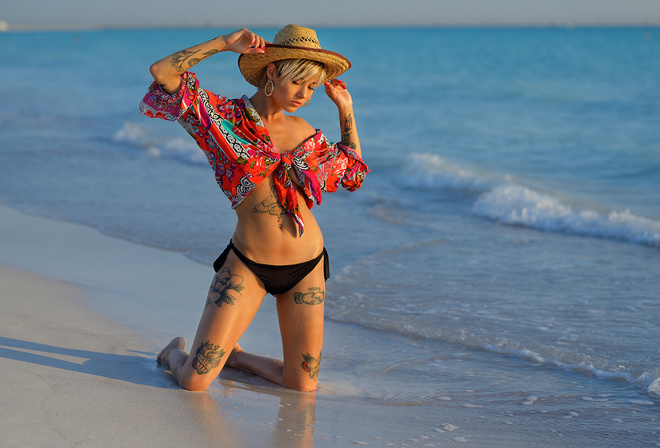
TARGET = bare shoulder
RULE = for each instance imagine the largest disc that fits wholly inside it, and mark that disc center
(301, 125)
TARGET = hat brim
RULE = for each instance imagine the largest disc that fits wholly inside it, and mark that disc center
(252, 66)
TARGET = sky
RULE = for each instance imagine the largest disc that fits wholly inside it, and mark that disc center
(222, 13)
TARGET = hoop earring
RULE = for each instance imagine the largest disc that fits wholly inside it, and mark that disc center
(307, 103)
(272, 87)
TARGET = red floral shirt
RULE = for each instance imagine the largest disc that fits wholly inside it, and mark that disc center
(240, 151)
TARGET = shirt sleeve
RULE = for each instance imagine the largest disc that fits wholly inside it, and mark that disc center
(335, 165)
(348, 168)
(189, 100)
(157, 103)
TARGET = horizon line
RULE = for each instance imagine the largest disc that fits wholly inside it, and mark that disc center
(7, 27)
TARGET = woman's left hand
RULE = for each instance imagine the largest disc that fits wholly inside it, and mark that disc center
(336, 91)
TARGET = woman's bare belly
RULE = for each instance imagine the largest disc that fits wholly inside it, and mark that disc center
(266, 234)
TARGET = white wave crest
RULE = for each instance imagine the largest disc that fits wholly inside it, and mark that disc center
(423, 170)
(517, 205)
(179, 149)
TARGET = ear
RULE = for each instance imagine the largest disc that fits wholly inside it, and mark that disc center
(271, 71)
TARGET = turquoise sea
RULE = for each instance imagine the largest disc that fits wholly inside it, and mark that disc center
(512, 214)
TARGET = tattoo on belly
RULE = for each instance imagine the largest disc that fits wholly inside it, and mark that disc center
(225, 288)
(270, 206)
(207, 358)
(315, 296)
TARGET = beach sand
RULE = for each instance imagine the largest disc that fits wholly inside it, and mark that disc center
(83, 314)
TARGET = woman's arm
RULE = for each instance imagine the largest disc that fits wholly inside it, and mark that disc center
(167, 72)
(337, 92)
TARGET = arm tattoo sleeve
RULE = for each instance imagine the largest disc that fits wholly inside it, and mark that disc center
(179, 59)
(347, 131)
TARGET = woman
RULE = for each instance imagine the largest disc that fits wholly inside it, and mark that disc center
(272, 167)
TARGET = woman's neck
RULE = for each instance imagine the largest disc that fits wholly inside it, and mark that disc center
(266, 107)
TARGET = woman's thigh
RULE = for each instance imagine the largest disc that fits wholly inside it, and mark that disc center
(300, 314)
(234, 297)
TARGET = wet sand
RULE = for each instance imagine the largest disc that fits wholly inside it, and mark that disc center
(83, 314)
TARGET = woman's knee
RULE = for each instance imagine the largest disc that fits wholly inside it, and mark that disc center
(202, 367)
(303, 374)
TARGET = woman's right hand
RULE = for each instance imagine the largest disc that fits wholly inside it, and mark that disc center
(245, 41)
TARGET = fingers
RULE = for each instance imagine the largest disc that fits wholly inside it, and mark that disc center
(258, 43)
(337, 84)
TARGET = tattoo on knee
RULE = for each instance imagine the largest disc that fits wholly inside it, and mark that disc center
(315, 296)
(312, 365)
(225, 288)
(207, 358)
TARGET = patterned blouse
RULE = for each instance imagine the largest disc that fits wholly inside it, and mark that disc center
(240, 151)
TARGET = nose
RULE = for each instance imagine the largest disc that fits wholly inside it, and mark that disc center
(303, 93)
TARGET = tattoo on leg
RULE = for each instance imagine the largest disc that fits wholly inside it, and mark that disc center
(315, 296)
(207, 358)
(225, 288)
(312, 365)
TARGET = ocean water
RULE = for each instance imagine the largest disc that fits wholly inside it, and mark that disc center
(513, 208)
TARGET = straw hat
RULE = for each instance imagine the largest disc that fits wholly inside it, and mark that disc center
(292, 42)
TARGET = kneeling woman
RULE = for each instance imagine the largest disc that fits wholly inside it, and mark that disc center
(273, 168)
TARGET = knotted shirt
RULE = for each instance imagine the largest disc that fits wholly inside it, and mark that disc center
(241, 153)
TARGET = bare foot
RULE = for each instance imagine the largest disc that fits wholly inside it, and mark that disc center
(163, 356)
(231, 360)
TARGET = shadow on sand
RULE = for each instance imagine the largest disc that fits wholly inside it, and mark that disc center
(135, 367)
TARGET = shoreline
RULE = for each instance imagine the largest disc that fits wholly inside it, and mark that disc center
(83, 314)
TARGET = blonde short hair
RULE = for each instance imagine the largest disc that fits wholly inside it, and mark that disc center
(292, 69)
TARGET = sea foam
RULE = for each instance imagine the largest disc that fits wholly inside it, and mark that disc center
(507, 202)
(179, 149)
(518, 205)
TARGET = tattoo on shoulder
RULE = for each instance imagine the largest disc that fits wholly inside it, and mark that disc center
(225, 288)
(314, 296)
(207, 357)
(311, 365)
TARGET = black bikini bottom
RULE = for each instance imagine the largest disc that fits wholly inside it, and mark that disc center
(277, 279)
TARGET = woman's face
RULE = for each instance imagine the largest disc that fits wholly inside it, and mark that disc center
(292, 94)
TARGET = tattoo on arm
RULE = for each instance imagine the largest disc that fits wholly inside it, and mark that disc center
(347, 132)
(225, 288)
(311, 365)
(315, 296)
(184, 57)
(207, 357)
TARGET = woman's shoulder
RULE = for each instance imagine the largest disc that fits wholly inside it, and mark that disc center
(302, 127)
(299, 123)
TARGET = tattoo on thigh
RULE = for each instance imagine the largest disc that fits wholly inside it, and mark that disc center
(315, 296)
(225, 288)
(207, 358)
(312, 365)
